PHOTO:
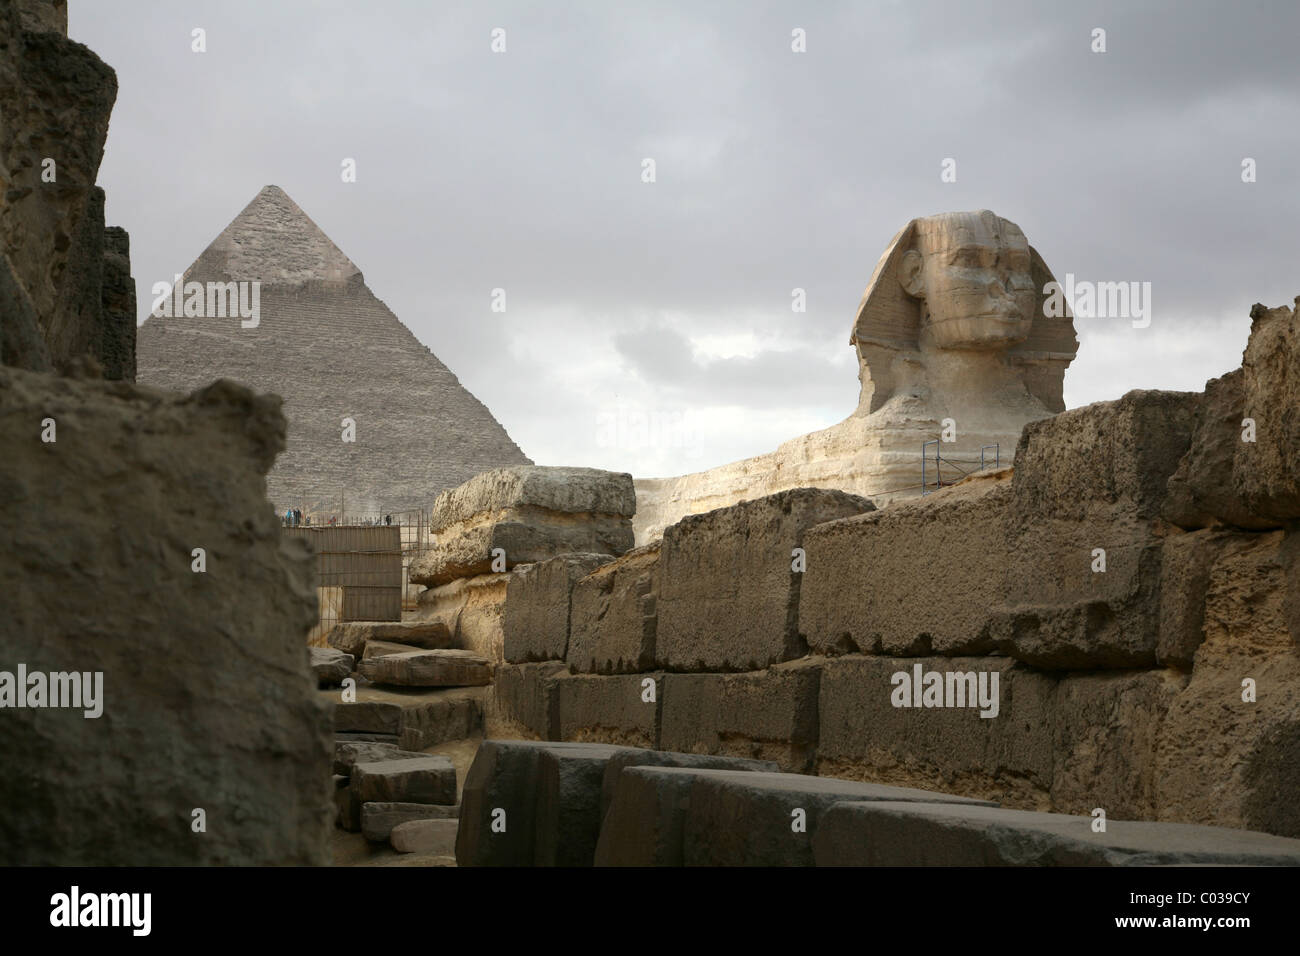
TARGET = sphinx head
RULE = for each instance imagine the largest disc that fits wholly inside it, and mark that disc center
(972, 273)
(960, 283)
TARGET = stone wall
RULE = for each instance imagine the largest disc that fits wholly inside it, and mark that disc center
(157, 706)
(65, 286)
(1096, 641)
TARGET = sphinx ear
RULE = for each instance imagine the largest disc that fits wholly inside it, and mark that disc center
(910, 273)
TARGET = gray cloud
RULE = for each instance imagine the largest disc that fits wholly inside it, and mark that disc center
(775, 170)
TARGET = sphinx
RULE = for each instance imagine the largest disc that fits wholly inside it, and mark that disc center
(954, 346)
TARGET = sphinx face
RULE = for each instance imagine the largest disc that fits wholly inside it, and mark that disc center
(973, 271)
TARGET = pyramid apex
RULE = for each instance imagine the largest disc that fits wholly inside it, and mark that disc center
(273, 241)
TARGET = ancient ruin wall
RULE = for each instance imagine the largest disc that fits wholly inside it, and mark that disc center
(1144, 666)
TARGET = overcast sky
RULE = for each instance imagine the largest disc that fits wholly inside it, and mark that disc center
(668, 305)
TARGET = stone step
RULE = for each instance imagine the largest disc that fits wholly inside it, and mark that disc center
(428, 668)
(412, 719)
(428, 837)
(378, 818)
(425, 779)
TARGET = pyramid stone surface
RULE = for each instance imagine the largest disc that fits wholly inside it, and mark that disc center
(332, 350)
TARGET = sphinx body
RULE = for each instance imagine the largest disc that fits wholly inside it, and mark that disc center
(951, 327)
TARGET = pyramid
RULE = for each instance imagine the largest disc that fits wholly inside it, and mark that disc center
(332, 350)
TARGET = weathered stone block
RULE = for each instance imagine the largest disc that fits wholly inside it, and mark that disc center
(429, 837)
(1266, 472)
(568, 813)
(520, 700)
(621, 709)
(668, 758)
(1007, 757)
(352, 636)
(1088, 481)
(441, 668)
(330, 666)
(1229, 748)
(1201, 491)
(347, 753)
(771, 714)
(381, 648)
(411, 718)
(499, 801)
(530, 512)
(1105, 730)
(728, 596)
(1185, 563)
(104, 584)
(737, 818)
(612, 624)
(428, 779)
(474, 610)
(347, 811)
(929, 834)
(872, 586)
(378, 819)
(646, 818)
(1105, 459)
(536, 623)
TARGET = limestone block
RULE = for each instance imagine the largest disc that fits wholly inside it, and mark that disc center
(645, 820)
(499, 801)
(1202, 490)
(1222, 759)
(728, 597)
(568, 811)
(1266, 472)
(917, 577)
(737, 818)
(531, 513)
(474, 610)
(769, 715)
(430, 837)
(379, 819)
(1007, 757)
(347, 753)
(410, 718)
(1105, 730)
(1090, 479)
(536, 624)
(613, 619)
(1185, 563)
(520, 701)
(352, 636)
(620, 709)
(382, 648)
(421, 668)
(428, 779)
(347, 812)
(330, 666)
(103, 583)
(667, 758)
(931, 834)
